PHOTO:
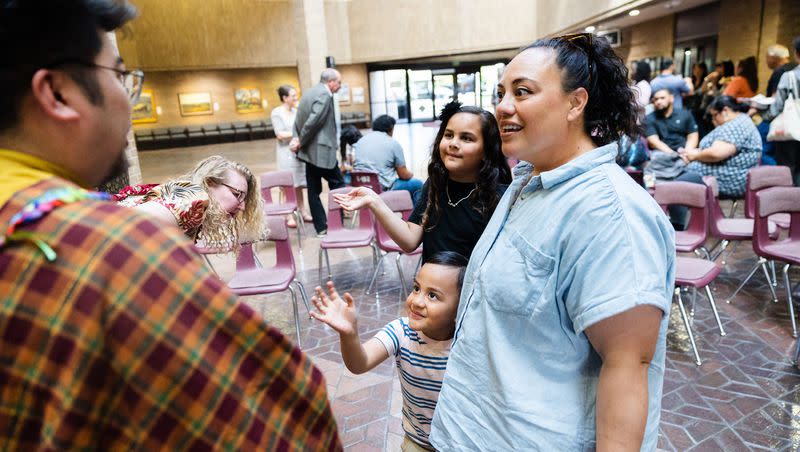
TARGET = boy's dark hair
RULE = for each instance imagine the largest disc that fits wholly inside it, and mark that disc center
(39, 34)
(666, 63)
(350, 135)
(797, 45)
(451, 259)
(383, 123)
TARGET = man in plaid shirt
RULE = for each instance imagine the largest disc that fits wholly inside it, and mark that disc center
(112, 333)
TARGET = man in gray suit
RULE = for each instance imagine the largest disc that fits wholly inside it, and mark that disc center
(316, 141)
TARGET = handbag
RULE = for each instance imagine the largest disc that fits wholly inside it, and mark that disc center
(786, 126)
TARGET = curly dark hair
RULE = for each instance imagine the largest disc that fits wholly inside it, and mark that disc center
(589, 62)
(494, 168)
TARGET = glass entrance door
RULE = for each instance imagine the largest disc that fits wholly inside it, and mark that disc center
(442, 91)
(420, 91)
(467, 88)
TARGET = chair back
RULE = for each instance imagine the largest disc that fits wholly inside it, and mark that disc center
(715, 214)
(636, 175)
(284, 180)
(334, 215)
(278, 234)
(398, 201)
(771, 201)
(762, 177)
(693, 196)
(363, 178)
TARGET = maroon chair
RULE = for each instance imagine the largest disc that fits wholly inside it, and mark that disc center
(696, 273)
(636, 175)
(363, 178)
(398, 201)
(693, 196)
(762, 177)
(338, 237)
(251, 279)
(768, 202)
(283, 180)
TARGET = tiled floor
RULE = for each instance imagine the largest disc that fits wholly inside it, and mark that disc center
(745, 396)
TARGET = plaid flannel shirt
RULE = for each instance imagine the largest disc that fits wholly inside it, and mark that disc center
(125, 341)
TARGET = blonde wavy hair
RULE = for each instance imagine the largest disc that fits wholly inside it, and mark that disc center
(219, 229)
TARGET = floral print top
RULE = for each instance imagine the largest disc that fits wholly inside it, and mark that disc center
(186, 200)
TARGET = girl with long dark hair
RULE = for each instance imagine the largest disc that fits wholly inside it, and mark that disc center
(467, 175)
(560, 336)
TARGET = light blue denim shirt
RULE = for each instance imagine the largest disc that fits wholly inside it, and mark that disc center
(563, 251)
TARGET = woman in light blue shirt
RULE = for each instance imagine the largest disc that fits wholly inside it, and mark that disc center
(560, 333)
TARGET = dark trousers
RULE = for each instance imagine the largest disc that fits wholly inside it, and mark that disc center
(787, 153)
(314, 176)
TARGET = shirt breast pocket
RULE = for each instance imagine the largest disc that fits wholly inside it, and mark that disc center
(515, 279)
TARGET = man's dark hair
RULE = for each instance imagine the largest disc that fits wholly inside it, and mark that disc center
(451, 259)
(797, 45)
(46, 33)
(666, 63)
(383, 123)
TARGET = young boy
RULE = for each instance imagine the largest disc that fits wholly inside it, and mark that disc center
(420, 343)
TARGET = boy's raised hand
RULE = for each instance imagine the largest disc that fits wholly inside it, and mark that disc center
(356, 198)
(338, 313)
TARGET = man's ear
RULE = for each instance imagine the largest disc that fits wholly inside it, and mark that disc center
(55, 94)
(577, 102)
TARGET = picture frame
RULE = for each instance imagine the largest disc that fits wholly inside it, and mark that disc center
(144, 110)
(248, 100)
(344, 94)
(195, 104)
(358, 95)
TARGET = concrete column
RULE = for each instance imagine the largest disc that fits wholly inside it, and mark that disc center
(131, 153)
(311, 40)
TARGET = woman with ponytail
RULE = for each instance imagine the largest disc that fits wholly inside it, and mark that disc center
(560, 333)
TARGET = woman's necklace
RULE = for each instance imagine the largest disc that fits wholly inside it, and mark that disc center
(450, 202)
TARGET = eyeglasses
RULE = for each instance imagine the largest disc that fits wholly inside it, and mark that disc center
(132, 80)
(240, 195)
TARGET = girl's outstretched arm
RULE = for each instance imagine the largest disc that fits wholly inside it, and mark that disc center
(406, 234)
(340, 314)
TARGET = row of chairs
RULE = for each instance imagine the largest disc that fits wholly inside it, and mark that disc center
(172, 137)
(771, 204)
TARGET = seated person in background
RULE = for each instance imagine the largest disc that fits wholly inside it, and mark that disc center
(675, 84)
(728, 151)
(669, 130)
(379, 152)
(217, 202)
(347, 139)
(419, 343)
(745, 82)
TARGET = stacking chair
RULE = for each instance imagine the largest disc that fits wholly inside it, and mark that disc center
(284, 180)
(366, 179)
(338, 237)
(251, 279)
(762, 177)
(696, 273)
(768, 202)
(694, 197)
(398, 201)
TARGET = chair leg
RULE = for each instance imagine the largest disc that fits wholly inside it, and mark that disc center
(769, 282)
(694, 300)
(722, 246)
(749, 275)
(733, 208)
(703, 252)
(303, 295)
(774, 276)
(789, 298)
(375, 273)
(688, 327)
(296, 316)
(730, 252)
(319, 267)
(402, 277)
(328, 265)
(300, 227)
(714, 308)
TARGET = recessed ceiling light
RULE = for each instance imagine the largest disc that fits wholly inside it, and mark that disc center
(590, 28)
(633, 12)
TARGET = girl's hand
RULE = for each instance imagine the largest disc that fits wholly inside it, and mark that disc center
(356, 199)
(332, 310)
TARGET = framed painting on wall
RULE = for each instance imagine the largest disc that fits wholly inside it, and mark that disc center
(344, 94)
(144, 110)
(248, 100)
(195, 104)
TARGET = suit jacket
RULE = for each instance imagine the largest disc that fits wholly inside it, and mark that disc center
(315, 126)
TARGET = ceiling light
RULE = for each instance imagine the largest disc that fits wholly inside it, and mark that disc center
(633, 12)
(590, 28)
